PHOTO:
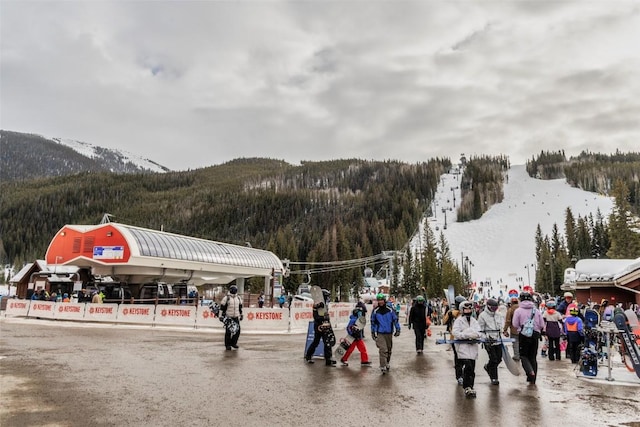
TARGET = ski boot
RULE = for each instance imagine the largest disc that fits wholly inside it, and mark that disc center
(469, 393)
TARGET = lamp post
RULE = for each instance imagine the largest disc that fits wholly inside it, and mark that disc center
(552, 285)
(444, 211)
(528, 266)
(453, 191)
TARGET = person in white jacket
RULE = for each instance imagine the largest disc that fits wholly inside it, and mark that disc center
(491, 324)
(467, 327)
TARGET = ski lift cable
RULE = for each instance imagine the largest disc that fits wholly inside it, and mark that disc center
(350, 261)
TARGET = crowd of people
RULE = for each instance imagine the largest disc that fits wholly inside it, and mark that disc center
(94, 296)
(526, 318)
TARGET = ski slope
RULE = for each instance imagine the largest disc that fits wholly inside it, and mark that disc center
(502, 243)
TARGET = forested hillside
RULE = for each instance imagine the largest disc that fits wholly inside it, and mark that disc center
(317, 211)
(592, 172)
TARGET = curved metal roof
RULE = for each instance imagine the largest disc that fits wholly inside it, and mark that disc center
(159, 244)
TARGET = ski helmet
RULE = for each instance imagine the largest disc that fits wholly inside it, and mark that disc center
(381, 297)
(492, 304)
(551, 304)
(233, 289)
(574, 311)
(466, 305)
(459, 299)
(525, 296)
(420, 298)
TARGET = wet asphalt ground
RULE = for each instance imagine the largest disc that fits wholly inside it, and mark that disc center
(55, 373)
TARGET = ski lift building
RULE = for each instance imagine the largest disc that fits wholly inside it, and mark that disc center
(139, 255)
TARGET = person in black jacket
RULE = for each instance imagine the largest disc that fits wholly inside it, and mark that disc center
(321, 330)
(418, 321)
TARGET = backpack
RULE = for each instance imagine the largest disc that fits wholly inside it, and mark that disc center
(527, 328)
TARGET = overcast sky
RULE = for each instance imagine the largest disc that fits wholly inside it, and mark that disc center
(193, 84)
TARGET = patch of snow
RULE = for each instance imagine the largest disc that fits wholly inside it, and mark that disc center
(89, 150)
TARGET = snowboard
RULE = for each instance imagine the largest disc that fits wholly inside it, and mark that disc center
(589, 352)
(591, 318)
(233, 326)
(214, 308)
(634, 325)
(512, 365)
(451, 297)
(632, 354)
(347, 340)
(318, 297)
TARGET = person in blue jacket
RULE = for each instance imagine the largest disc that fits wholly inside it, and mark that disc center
(383, 323)
(574, 329)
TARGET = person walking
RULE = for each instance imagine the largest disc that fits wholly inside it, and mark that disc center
(466, 327)
(356, 333)
(418, 321)
(491, 324)
(231, 315)
(321, 331)
(528, 345)
(449, 318)
(509, 330)
(383, 322)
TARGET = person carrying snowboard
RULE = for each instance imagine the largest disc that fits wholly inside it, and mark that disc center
(509, 330)
(466, 327)
(358, 342)
(491, 324)
(448, 319)
(231, 315)
(418, 321)
(322, 331)
(383, 322)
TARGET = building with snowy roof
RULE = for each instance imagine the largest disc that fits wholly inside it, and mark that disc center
(616, 280)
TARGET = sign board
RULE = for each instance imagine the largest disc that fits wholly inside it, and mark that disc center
(108, 252)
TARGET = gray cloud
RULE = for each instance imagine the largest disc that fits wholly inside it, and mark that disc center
(190, 84)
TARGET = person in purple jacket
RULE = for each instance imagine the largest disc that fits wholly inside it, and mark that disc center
(528, 345)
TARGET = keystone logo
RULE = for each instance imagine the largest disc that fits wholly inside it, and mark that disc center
(250, 316)
(60, 309)
(163, 313)
(205, 314)
(91, 310)
(125, 311)
(297, 316)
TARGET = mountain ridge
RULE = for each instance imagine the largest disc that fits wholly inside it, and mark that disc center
(26, 156)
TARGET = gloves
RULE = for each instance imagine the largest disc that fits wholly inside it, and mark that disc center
(374, 335)
(409, 326)
(397, 334)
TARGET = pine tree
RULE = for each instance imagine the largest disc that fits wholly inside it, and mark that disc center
(623, 228)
